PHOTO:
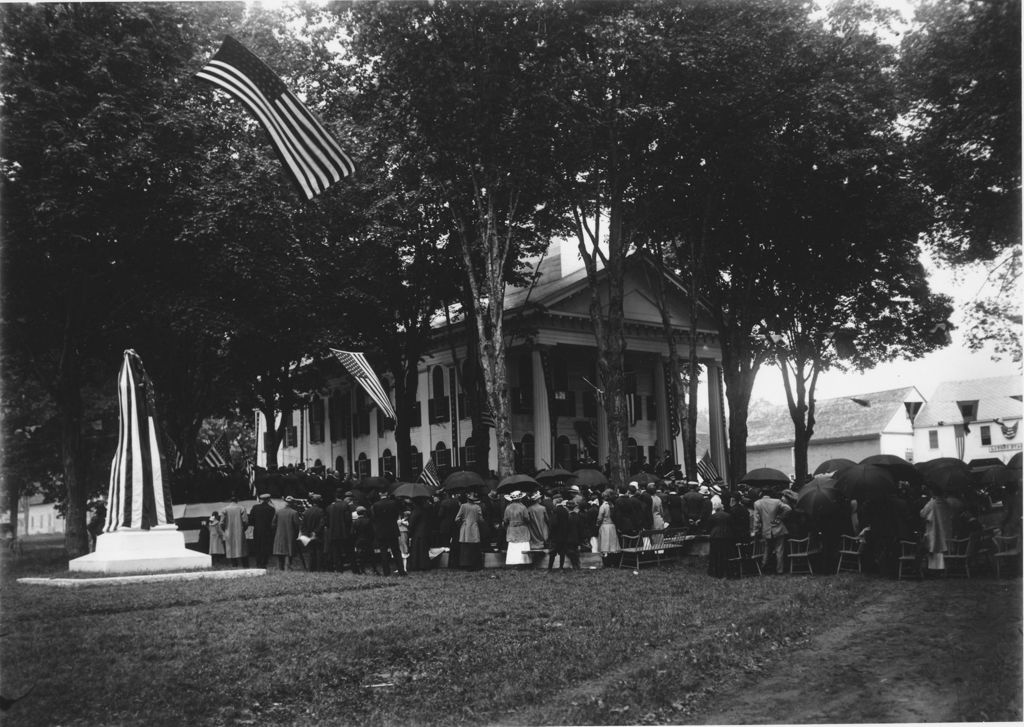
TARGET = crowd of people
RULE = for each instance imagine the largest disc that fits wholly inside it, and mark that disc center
(370, 530)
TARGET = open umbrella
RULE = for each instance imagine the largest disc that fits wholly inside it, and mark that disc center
(517, 482)
(461, 480)
(866, 482)
(947, 478)
(940, 462)
(555, 474)
(819, 498)
(1015, 462)
(765, 477)
(412, 489)
(589, 478)
(898, 467)
(373, 483)
(830, 466)
(984, 463)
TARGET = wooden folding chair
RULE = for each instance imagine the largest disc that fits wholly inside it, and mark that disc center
(909, 561)
(850, 549)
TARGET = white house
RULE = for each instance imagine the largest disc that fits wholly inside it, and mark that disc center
(557, 416)
(973, 419)
(849, 427)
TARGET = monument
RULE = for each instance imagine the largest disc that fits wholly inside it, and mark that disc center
(139, 534)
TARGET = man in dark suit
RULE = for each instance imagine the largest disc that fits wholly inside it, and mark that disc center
(313, 528)
(384, 518)
(339, 533)
(261, 517)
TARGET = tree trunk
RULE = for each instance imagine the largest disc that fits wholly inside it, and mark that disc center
(739, 372)
(76, 537)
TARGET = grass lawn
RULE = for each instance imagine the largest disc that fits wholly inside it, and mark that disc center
(495, 646)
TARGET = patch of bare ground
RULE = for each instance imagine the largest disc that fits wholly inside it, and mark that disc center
(935, 651)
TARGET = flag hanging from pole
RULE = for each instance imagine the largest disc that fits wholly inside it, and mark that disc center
(219, 453)
(313, 158)
(139, 496)
(357, 365)
(429, 475)
(706, 468)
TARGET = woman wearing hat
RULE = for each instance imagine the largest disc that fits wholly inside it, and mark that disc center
(517, 530)
(607, 535)
(468, 518)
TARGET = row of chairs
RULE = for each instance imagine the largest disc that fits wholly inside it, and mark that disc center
(798, 553)
(1003, 551)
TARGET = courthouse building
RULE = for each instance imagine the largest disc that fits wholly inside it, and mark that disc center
(557, 418)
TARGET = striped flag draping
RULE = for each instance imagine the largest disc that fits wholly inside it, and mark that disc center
(706, 468)
(429, 475)
(313, 158)
(139, 496)
(219, 453)
(357, 365)
(487, 416)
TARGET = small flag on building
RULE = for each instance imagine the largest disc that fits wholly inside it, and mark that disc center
(219, 454)
(706, 468)
(357, 365)
(307, 150)
(429, 476)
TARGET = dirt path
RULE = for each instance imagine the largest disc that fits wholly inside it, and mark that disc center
(935, 651)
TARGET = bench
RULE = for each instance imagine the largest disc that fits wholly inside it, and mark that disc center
(652, 547)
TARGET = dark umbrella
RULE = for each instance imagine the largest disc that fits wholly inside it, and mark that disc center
(462, 480)
(373, 483)
(589, 478)
(819, 498)
(898, 467)
(555, 474)
(938, 463)
(765, 477)
(984, 463)
(517, 482)
(949, 478)
(830, 466)
(413, 489)
(1015, 462)
(866, 482)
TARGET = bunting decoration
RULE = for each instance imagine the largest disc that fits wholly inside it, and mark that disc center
(672, 403)
(139, 495)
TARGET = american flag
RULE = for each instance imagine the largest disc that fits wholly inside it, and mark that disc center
(139, 495)
(306, 148)
(429, 476)
(219, 453)
(487, 416)
(357, 365)
(706, 468)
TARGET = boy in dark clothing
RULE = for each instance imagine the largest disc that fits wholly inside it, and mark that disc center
(565, 535)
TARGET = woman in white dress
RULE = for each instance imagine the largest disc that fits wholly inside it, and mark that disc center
(517, 530)
(607, 535)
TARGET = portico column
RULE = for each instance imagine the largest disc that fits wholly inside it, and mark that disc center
(662, 432)
(716, 418)
(541, 416)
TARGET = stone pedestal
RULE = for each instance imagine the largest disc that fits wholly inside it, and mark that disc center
(140, 551)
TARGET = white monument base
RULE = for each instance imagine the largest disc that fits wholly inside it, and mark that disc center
(140, 551)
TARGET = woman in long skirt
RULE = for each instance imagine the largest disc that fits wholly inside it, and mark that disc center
(216, 535)
(468, 518)
(517, 530)
(607, 535)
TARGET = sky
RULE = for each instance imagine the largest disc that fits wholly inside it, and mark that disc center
(953, 363)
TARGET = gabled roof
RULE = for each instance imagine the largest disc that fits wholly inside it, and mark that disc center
(845, 417)
(995, 397)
